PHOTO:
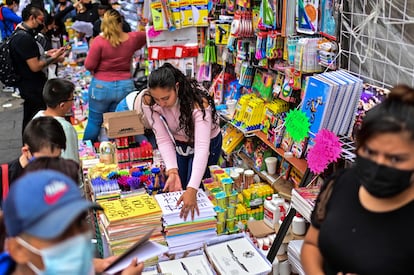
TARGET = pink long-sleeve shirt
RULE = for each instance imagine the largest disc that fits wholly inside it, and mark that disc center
(204, 131)
(109, 63)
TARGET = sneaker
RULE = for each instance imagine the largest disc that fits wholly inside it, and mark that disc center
(16, 94)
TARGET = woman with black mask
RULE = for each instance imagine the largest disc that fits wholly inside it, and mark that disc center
(358, 216)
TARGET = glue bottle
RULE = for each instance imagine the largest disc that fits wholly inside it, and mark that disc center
(271, 213)
(298, 225)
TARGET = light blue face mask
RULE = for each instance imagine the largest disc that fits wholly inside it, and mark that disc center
(73, 256)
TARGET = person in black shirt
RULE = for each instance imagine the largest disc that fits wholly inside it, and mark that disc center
(43, 136)
(360, 217)
(29, 63)
(102, 8)
(86, 11)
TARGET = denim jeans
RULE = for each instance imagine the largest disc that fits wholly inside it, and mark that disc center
(185, 163)
(104, 97)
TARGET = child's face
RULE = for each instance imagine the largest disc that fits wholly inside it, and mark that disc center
(80, 35)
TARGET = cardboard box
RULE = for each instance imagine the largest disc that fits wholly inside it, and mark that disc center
(122, 124)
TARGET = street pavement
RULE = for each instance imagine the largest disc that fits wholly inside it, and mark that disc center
(11, 116)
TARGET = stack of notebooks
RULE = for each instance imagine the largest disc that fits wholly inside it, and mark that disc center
(190, 265)
(191, 234)
(294, 249)
(331, 101)
(237, 256)
(303, 200)
(125, 221)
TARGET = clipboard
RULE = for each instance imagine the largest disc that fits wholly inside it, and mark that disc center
(150, 248)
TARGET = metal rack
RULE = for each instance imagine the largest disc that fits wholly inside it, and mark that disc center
(377, 41)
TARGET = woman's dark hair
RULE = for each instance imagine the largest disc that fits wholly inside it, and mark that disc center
(394, 115)
(66, 166)
(56, 91)
(190, 95)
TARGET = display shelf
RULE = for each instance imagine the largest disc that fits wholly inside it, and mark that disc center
(282, 186)
(225, 117)
(300, 164)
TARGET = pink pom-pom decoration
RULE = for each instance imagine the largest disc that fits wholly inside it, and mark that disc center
(152, 32)
(326, 149)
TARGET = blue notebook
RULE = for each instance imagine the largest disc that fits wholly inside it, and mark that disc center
(316, 102)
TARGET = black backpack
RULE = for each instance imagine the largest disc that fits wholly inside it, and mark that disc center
(8, 74)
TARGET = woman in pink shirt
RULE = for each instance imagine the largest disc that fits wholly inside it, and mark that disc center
(109, 60)
(186, 126)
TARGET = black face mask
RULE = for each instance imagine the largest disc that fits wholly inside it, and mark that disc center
(39, 28)
(382, 181)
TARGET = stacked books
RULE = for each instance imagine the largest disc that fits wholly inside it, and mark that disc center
(125, 221)
(303, 200)
(186, 235)
(143, 250)
(331, 101)
(294, 248)
(190, 265)
(237, 256)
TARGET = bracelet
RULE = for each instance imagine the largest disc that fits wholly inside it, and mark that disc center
(49, 61)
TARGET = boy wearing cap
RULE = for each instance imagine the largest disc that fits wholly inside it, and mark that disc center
(45, 220)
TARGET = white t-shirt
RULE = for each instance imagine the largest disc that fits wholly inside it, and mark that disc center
(72, 145)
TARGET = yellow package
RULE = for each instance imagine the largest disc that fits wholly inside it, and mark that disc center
(231, 140)
(222, 33)
(186, 13)
(241, 107)
(200, 13)
(175, 12)
(158, 18)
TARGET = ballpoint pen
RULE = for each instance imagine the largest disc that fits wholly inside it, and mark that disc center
(185, 268)
(236, 259)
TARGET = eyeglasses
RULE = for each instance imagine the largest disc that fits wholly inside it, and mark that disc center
(72, 99)
(40, 19)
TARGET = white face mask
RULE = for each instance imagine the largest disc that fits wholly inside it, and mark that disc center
(73, 256)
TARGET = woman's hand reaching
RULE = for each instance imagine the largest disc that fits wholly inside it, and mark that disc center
(173, 182)
(189, 199)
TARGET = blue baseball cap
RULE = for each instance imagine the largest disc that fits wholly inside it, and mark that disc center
(43, 204)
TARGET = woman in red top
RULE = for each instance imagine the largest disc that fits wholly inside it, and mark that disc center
(109, 60)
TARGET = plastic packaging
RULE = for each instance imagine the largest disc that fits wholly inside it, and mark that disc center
(157, 158)
(237, 180)
(248, 178)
